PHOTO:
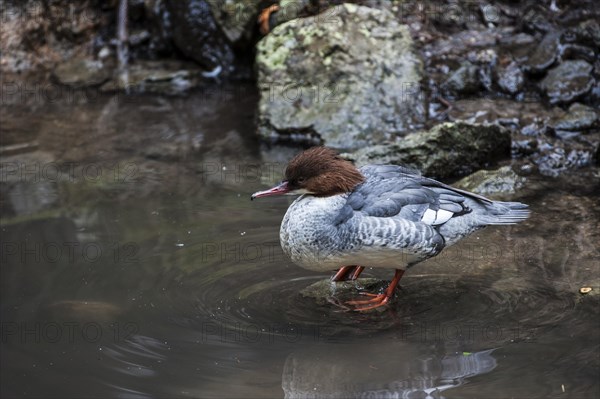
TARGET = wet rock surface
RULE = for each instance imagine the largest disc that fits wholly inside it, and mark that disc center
(341, 84)
(577, 118)
(448, 149)
(539, 138)
(511, 78)
(556, 156)
(568, 81)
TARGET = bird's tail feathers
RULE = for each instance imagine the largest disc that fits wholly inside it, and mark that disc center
(502, 213)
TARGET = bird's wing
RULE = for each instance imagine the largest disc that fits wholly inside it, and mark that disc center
(396, 192)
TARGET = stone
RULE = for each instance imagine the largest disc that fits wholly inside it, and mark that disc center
(559, 156)
(164, 77)
(579, 117)
(568, 81)
(289, 10)
(447, 150)
(465, 80)
(82, 72)
(235, 18)
(345, 79)
(197, 35)
(323, 290)
(492, 182)
(586, 32)
(544, 54)
(510, 78)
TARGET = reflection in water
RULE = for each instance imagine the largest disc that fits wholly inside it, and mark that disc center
(345, 372)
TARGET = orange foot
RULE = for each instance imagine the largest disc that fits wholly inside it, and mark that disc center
(376, 301)
(263, 18)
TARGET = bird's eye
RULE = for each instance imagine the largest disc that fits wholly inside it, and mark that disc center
(301, 180)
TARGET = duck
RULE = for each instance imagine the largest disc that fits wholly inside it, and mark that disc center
(379, 216)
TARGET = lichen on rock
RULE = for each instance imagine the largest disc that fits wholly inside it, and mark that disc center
(345, 78)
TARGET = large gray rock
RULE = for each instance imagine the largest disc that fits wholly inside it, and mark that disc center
(346, 79)
(448, 149)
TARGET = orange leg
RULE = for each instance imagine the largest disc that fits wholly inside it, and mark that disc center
(342, 274)
(379, 299)
(263, 18)
(357, 271)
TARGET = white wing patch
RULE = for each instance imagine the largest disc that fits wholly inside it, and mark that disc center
(434, 218)
(429, 217)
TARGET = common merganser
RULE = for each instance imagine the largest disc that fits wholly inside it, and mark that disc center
(381, 216)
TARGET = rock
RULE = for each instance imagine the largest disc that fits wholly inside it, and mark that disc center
(523, 147)
(578, 52)
(345, 79)
(544, 54)
(465, 80)
(510, 78)
(519, 46)
(515, 41)
(586, 32)
(289, 10)
(197, 35)
(558, 156)
(569, 80)
(163, 77)
(461, 42)
(502, 111)
(35, 35)
(236, 19)
(536, 18)
(138, 37)
(448, 149)
(488, 182)
(82, 72)
(579, 117)
(322, 290)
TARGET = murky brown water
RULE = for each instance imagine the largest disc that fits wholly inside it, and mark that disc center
(134, 265)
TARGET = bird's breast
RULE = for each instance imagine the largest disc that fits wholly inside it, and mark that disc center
(309, 234)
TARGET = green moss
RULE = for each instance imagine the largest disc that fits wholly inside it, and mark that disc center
(275, 49)
(352, 8)
(365, 32)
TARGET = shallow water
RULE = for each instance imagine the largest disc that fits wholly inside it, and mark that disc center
(141, 269)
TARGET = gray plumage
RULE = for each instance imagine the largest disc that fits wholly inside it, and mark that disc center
(394, 219)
